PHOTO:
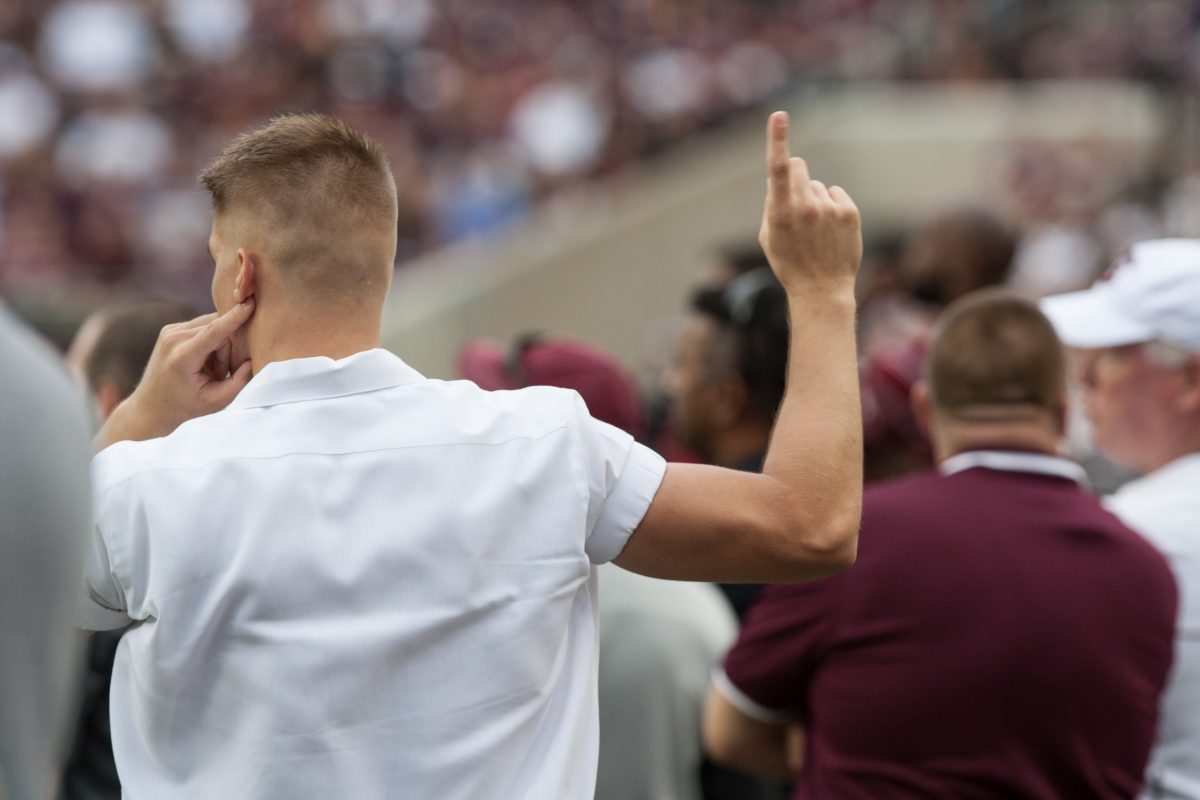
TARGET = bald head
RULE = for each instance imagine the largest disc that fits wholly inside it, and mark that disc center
(315, 198)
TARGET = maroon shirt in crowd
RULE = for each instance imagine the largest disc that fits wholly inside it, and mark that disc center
(1000, 636)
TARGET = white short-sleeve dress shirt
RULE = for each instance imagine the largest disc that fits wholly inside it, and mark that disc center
(1164, 506)
(356, 582)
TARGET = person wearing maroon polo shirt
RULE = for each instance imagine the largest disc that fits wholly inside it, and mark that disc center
(1000, 636)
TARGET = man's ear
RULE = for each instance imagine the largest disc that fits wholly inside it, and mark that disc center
(921, 403)
(246, 284)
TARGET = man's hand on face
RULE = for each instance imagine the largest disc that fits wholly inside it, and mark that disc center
(189, 375)
(811, 234)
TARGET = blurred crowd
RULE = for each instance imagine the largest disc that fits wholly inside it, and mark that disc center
(109, 107)
(992, 597)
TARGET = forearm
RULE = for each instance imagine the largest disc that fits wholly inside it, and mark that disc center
(816, 446)
(736, 741)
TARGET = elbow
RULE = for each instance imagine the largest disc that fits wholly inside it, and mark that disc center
(828, 543)
(842, 549)
(836, 551)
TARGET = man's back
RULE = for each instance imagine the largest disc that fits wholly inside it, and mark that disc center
(1000, 636)
(316, 619)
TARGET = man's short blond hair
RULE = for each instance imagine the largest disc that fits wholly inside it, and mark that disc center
(994, 355)
(322, 193)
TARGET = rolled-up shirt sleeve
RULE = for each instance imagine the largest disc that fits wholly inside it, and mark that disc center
(622, 478)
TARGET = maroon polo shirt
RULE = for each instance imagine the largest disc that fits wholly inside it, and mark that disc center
(1000, 636)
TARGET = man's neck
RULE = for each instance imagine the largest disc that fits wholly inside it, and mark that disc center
(950, 439)
(303, 337)
(1185, 442)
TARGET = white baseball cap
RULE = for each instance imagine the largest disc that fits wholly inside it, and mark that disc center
(1152, 293)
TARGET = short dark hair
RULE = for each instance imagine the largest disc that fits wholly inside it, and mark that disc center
(327, 189)
(995, 353)
(300, 154)
(127, 336)
(973, 250)
(752, 312)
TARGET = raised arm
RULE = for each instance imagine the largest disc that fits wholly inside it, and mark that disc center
(799, 519)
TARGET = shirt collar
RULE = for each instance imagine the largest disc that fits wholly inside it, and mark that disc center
(1180, 465)
(1015, 461)
(1178, 470)
(320, 378)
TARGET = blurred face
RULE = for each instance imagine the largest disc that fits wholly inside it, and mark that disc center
(694, 385)
(1127, 400)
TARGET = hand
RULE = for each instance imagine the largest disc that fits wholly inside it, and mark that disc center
(797, 742)
(811, 235)
(189, 375)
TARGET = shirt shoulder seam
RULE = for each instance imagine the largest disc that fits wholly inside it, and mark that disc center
(274, 456)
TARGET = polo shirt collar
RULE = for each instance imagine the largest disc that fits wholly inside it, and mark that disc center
(1015, 461)
(320, 378)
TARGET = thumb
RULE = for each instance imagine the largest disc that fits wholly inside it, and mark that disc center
(221, 393)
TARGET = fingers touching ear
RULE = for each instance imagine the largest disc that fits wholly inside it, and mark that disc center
(221, 393)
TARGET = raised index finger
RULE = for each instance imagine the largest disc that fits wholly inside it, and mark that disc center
(214, 334)
(779, 163)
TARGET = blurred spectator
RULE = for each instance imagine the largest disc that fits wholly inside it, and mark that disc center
(725, 264)
(953, 253)
(893, 442)
(999, 636)
(659, 642)
(533, 360)
(45, 496)
(728, 377)
(112, 347)
(1138, 330)
(108, 354)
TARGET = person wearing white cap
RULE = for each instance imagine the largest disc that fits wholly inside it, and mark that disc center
(1138, 330)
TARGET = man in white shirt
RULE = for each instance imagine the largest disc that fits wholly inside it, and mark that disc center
(347, 580)
(1139, 332)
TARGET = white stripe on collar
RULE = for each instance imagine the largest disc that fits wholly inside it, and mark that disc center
(1009, 461)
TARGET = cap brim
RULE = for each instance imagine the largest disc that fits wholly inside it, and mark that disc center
(1091, 319)
(483, 363)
